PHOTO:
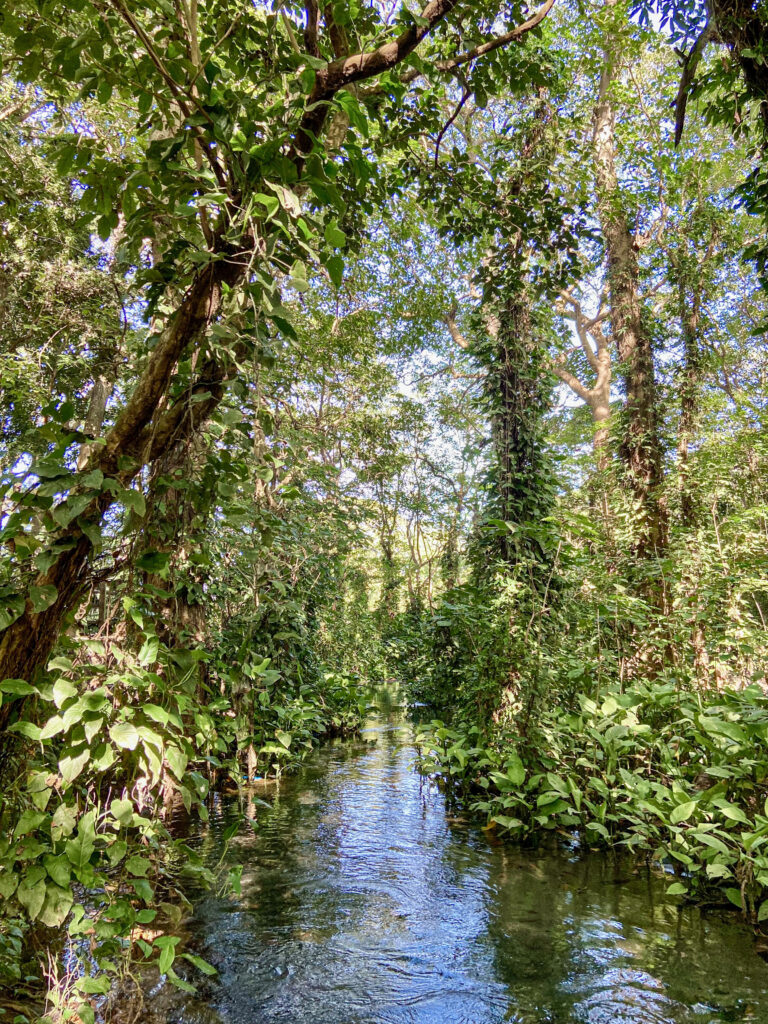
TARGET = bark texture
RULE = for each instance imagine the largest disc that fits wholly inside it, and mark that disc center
(143, 432)
(640, 446)
(516, 392)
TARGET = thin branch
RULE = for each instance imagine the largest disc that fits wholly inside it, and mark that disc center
(291, 34)
(494, 44)
(465, 96)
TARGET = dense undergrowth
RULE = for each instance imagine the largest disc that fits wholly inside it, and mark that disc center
(306, 382)
(608, 706)
(680, 777)
(119, 756)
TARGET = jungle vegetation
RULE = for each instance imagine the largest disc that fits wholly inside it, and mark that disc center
(342, 342)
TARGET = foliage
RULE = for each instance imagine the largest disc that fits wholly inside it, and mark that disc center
(299, 308)
(676, 775)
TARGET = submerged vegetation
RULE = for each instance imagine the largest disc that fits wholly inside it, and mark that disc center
(349, 343)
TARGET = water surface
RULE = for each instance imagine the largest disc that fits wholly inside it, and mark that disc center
(364, 902)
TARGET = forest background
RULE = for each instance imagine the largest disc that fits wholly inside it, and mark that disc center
(342, 343)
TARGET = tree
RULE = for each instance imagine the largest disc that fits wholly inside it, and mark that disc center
(640, 446)
(220, 161)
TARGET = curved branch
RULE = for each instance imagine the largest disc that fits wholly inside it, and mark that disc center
(494, 44)
(573, 383)
(450, 322)
(690, 63)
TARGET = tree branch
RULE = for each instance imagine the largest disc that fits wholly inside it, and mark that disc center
(465, 96)
(690, 63)
(494, 44)
(450, 321)
(573, 382)
(310, 32)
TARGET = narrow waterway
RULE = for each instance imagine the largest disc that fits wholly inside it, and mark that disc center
(364, 902)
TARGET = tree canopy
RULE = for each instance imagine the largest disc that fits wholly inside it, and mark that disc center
(346, 342)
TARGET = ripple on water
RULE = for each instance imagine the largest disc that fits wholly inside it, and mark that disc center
(363, 904)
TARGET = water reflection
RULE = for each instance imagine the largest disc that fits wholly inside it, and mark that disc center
(364, 903)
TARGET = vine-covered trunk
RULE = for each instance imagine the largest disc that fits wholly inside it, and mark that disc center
(518, 395)
(640, 445)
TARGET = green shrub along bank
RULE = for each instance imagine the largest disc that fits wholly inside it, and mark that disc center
(110, 756)
(677, 776)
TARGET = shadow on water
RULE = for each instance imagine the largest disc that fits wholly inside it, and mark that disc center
(364, 902)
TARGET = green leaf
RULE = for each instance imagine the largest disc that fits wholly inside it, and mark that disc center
(135, 500)
(143, 889)
(271, 203)
(93, 480)
(57, 905)
(734, 895)
(334, 236)
(682, 812)
(335, 268)
(59, 868)
(156, 713)
(86, 1013)
(117, 851)
(63, 689)
(122, 811)
(71, 509)
(124, 735)
(284, 738)
(515, 770)
(42, 597)
(167, 946)
(506, 822)
(17, 687)
(71, 765)
(677, 889)
(177, 760)
(52, 727)
(200, 964)
(138, 866)
(8, 883)
(31, 896)
(149, 649)
(63, 822)
(98, 986)
(79, 850)
(732, 811)
(103, 757)
(154, 561)
(722, 727)
(762, 913)
(28, 822)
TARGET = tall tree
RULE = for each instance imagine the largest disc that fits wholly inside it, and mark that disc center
(640, 446)
(236, 122)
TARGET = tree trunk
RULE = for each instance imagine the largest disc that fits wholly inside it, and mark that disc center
(601, 414)
(518, 397)
(143, 433)
(94, 417)
(169, 527)
(640, 447)
(689, 311)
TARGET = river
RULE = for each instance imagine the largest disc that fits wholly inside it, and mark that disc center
(364, 902)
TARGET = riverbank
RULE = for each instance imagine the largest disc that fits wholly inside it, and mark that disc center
(677, 777)
(366, 899)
